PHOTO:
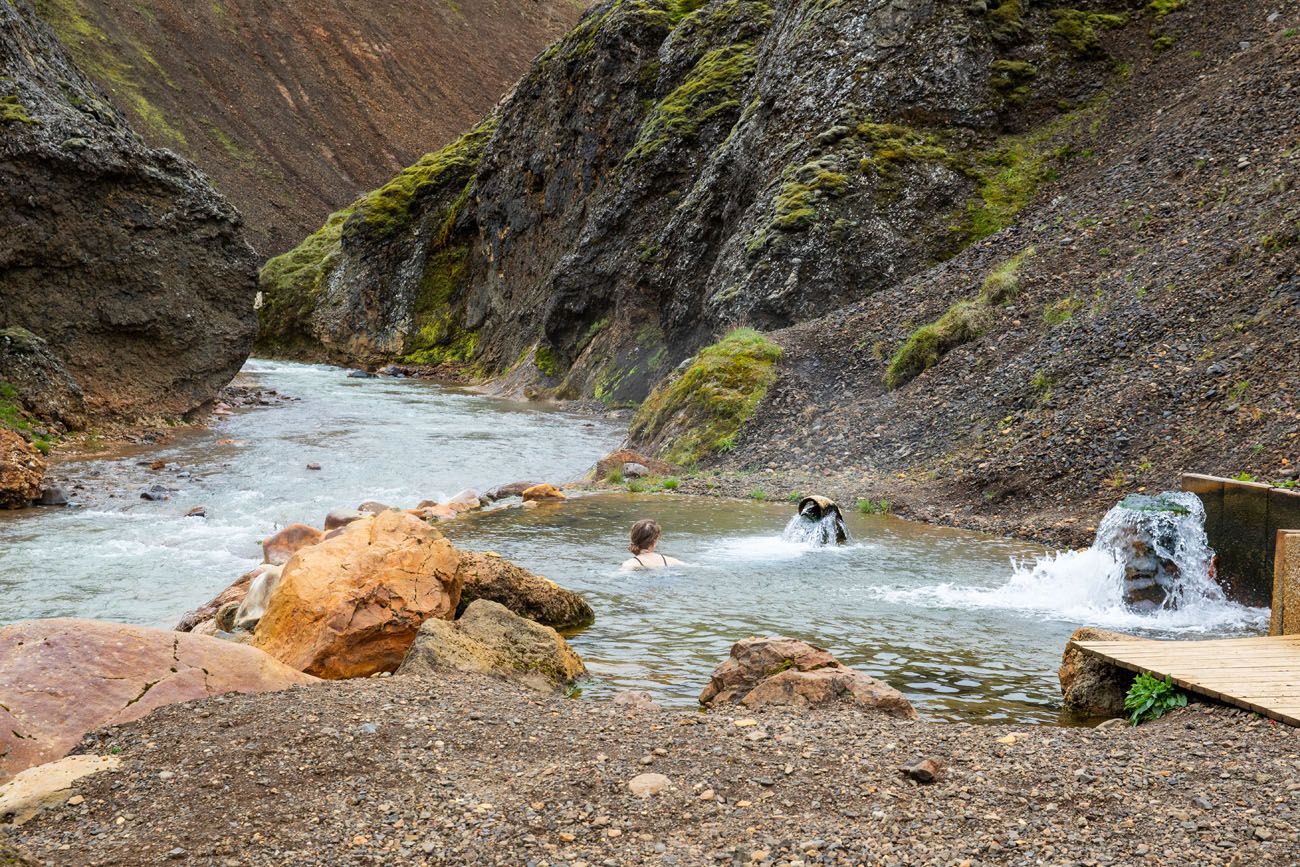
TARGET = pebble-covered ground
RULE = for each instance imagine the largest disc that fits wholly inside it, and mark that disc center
(468, 770)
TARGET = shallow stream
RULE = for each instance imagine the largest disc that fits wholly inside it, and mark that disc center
(944, 615)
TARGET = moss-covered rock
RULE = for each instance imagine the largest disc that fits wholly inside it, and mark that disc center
(700, 411)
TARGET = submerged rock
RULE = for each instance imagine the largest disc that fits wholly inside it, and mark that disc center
(490, 639)
(350, 605)
(22, 470)
(61, 678)
(514, 489)
(787, 672)
(1092, 687)
(489, 576)
(120, 257)
(543, 493)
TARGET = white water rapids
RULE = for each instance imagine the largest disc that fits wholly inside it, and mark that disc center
(1088, 585)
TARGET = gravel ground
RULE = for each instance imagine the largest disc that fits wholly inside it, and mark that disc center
(468, 770)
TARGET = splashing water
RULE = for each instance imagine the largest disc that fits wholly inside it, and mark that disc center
(1154, 545)
(804, 529)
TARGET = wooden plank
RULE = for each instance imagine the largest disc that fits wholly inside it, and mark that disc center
(1260, 674)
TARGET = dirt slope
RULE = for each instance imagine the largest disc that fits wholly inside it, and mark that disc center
(295, 107)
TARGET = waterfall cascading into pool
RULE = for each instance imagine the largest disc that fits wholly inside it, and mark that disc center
(1159, 543)
(818, 522)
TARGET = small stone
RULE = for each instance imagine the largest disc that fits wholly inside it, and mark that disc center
(614, 832)
(924, 771)
(645, 785)
(1263, 834)
(76, 800)
(176, 854)
(745, 723)
(707, 795)
(759, 855)
(313, 466)
(166, 775)
(197, 512)
(1110, 724)
(1009, 740)
(645, 760)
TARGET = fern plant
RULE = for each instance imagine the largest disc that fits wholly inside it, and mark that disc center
(1151, 698)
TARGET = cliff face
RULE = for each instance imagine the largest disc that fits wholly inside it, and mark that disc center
(126, 285)
(996, 247)
(293, 107)
(671, 168)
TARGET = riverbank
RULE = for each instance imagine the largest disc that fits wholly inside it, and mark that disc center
(468, 770)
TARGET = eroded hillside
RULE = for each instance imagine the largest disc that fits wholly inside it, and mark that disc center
(295, 107)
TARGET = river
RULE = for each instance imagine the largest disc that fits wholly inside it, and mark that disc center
(944, 615)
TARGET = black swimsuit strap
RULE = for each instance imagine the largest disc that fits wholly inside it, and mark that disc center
(665, 559)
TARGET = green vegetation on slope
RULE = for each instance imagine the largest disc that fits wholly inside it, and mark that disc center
(98, 56)
(711, 88)
(699, 411)
(14, 418)
(12, 111)
(291, 283)
(963, 322)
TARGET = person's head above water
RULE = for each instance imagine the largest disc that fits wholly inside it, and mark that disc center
(645, 533)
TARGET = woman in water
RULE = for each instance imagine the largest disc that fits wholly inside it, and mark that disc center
(645, 535)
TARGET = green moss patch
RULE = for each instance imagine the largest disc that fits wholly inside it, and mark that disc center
(710, 89)
(965, 321)
(390, 209)
(291, 283)
(1079, 32)
(1012, 79)
(700, 411)
(13, 417)
(439, 337)
(12, 111)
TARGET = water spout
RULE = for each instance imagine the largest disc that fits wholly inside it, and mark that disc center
(817, 522)
(1160, 544)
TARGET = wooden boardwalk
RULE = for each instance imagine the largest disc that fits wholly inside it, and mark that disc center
(1260, 674)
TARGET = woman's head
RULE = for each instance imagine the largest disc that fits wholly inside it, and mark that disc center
(645, 534)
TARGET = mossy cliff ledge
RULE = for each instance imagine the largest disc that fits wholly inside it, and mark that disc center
(673, 169)
(126, 285)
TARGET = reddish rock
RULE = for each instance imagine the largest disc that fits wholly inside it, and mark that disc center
(22, 469)
(279, 548)
(351, 605)
(786, 672)
(341, 518)
(61, 678)
(543, 493)
(208, 610)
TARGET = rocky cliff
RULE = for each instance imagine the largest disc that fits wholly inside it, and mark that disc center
(126, 285)
(293, 107)
(996, 241)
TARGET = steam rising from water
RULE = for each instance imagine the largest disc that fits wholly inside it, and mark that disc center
(1087, 586)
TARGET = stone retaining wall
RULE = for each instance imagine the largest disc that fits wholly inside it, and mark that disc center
(1242, 520)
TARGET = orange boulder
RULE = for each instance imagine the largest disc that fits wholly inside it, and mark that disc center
(542, 493)
(351, 605)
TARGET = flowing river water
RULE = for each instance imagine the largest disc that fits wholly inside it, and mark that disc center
(968, 626)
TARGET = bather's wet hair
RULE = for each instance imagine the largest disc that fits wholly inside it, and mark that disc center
(644, 534)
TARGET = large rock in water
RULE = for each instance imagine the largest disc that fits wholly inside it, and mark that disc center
(350, 605)
(489, 576)
(21, 471)
(490, 639)
(61, 678)
(120, 257)
(1092, 687)
(787, 672)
